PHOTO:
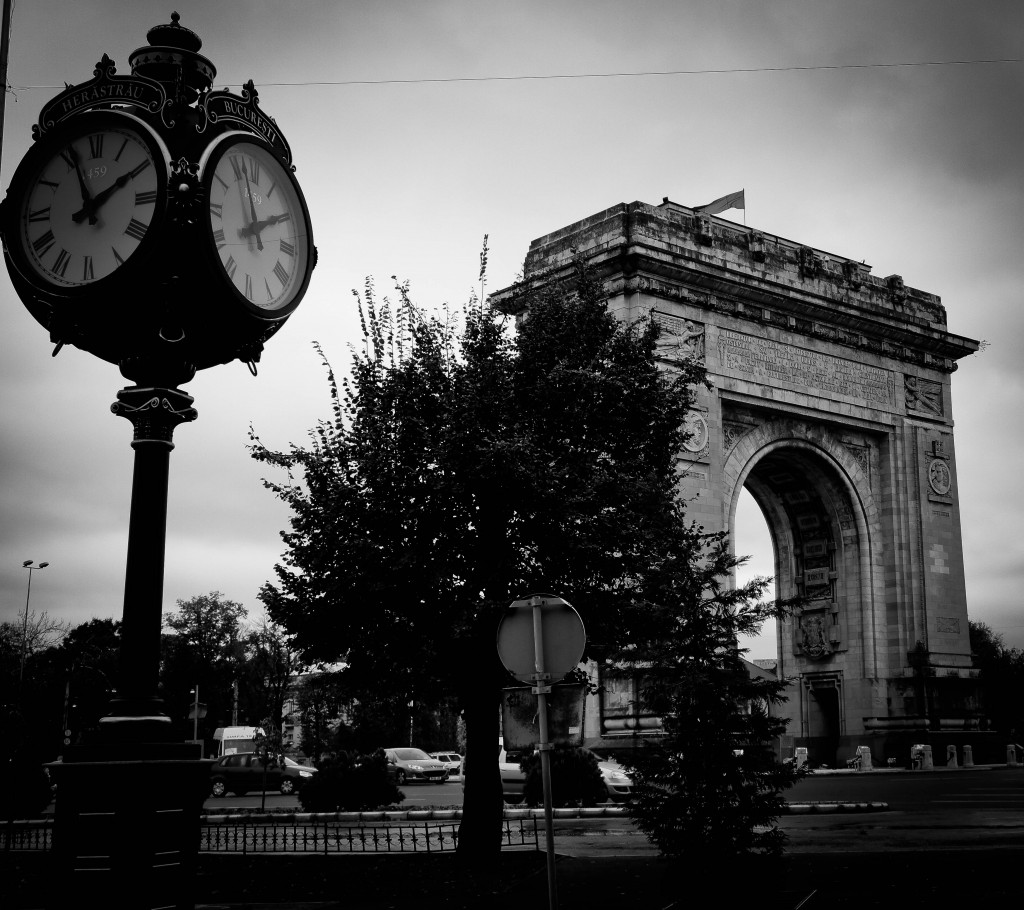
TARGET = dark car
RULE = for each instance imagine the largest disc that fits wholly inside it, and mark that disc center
(244, 771)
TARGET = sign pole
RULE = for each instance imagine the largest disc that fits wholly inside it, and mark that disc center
(542, 656)
(541, 689)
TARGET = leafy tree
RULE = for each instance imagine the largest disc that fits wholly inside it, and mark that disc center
(270, 749)
(464, 468)
(67, 685)
(1001, 677)
(90, 653)
(204, 646)
(380, 722)
(268, 668)
(323, 699)
(712, 787)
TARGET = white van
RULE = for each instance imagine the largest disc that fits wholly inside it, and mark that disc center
(232, 740)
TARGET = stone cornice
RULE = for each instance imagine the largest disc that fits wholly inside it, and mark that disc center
(669, 252)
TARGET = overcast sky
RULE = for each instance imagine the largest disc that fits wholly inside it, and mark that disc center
(412, 140)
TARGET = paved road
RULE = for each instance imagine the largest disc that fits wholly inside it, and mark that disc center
(416, 797)
(969, 809)
(962, 809)
(995, 787)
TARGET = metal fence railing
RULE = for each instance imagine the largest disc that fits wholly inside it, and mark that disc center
(27, 835)
(328, 837)
(248, 837)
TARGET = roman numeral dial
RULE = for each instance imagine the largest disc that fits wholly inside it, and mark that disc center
(89, 196)
(258, 225)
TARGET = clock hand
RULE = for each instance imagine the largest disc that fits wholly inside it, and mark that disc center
(241, 198)
(78, 170)
(93, 204)
(257, 226)
(87, 202)
(252, 209)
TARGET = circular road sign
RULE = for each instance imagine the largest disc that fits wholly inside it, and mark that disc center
(562, 637)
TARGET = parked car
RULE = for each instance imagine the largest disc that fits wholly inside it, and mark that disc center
(513, 778)
(451, 760)
(244, 771)
(408, 765)
(618, 784)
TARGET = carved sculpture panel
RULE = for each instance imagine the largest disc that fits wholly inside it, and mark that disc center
(923, 396)
(680, 339)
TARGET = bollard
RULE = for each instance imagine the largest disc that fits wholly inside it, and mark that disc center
(864, 754)
(968, 756)
(951, 761)
(1011, 755)
(801, 756)
(921, 757)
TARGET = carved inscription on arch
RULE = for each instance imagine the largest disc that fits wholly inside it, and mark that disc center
(767, 362)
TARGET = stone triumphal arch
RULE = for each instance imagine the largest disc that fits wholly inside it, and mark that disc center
(831, 405)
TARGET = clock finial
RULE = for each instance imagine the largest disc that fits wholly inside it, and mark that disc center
(172, 58)
(174, 35)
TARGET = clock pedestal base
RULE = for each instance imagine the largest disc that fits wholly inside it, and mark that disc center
(127, 826)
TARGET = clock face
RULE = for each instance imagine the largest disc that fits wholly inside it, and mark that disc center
(90, 198)
(259, 226)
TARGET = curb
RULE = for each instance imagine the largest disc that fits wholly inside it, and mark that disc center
(824, 807)
(422, 815)
(403, 815)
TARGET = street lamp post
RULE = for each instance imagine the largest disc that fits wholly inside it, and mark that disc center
(30, 565)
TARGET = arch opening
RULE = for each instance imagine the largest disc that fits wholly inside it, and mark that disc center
(809, 529)
(751, 538)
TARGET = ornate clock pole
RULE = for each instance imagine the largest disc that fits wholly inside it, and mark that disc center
(159, 226)
(154, 413)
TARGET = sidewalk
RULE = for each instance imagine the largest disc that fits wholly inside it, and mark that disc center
(809, 881)
(613, 880)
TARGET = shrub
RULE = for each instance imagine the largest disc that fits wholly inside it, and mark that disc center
(27, 791)
(575, 778)
(350, 783)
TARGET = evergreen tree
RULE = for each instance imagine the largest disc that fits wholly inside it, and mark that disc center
(711, 788)
(575, 778)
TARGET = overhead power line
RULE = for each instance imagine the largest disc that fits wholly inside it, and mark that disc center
(649, 73)
(620, 75)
